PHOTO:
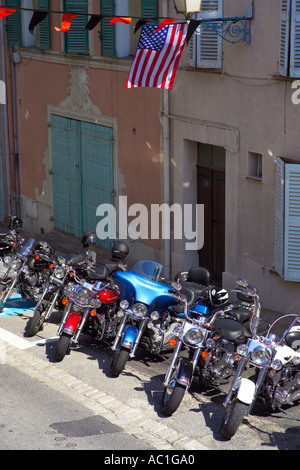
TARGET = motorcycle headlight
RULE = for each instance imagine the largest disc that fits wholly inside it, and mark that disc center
(154, 316)
(139, 310)
(16, 264)
(124, 304)
(59, 272)
(7, 259)
(82, 297)
(194, 337)
(276, 364)
(178, 331)
(69, 289)
(95, 303)
(242, 350)
(260, 356)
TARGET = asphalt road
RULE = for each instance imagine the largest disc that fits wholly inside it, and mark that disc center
(76, 404)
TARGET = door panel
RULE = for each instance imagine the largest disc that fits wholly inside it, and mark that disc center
(83, 173)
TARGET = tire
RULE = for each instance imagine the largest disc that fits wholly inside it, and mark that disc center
(172, 397)
(63, 347)
(119, 361)
(233, 417)
(36, 322)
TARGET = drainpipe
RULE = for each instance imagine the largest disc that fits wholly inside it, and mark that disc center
(16, 143)
(166, 165)
(6, 130)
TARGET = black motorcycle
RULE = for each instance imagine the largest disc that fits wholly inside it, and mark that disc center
(28, 271)
(10, 240)
(66, 269)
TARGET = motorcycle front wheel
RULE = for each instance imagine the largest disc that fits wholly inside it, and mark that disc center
(36, 322)
(119, 361)
(172, 397)
(63, 346)
(233, 417)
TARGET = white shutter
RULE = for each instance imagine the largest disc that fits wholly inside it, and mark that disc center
(295, 39)
(292, 223)
(284, 37)
(205, 50)
(279, 217)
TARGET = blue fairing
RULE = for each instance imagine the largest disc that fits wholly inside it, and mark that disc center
(136, 288)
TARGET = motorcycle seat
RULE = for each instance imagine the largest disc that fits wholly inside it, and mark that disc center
(192, 291)
(73, 258)
(229, 329)
(98, 273)
(241, 314)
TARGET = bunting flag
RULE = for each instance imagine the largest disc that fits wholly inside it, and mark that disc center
(193, 25)
(65, 22)
(163, 24)
(37, 17)
(142, 22)
(119, 19)
(93, 21)
(157, 56)
(6, 12)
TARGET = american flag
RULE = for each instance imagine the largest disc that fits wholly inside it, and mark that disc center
(157, 56)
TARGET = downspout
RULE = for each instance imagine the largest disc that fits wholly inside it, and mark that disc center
(166, 163)
(16, 143)
(6, 129)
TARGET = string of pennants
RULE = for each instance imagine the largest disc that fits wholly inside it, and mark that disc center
(67, 18)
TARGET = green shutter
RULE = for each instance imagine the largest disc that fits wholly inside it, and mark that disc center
(76, 39)
(107, 30)
(1, 191)
(44, 26)
(13, 24)
(149, 8)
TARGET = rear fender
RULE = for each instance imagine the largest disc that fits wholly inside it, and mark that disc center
(72, 323)
(129, 336)
(184, 374)
(246, 391)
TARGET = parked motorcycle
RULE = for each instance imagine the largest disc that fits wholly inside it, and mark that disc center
(277, 371)
(64, 267)
(210, 341)
(146, 314)
(92, 306)
(10, 240)
(27, 271)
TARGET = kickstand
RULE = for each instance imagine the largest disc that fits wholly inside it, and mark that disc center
(289, 414)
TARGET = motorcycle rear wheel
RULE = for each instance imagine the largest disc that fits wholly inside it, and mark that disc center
(172, 397)
(233, 417)
(63, 347)
(119, 361)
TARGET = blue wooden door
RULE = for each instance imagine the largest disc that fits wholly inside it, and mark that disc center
(82, 168)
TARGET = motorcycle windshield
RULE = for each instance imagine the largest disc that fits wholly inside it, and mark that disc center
(149, 269)
(27, 247)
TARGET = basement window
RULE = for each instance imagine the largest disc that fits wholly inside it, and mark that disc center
(255, 166)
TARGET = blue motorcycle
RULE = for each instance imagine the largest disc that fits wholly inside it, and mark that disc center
(147, 317)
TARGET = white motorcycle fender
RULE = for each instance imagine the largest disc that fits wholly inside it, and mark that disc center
(246, 391)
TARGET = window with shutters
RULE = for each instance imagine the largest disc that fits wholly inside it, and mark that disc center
(289, 48)
(17, 24)
(287, 221)
(118, 40)
(77, 39)
(205, 49)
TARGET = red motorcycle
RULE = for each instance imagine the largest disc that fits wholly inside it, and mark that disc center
(91, 307)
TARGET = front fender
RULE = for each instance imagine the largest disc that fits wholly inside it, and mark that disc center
(246, 391)
(184, 374)
(72, 323)
(129, 336)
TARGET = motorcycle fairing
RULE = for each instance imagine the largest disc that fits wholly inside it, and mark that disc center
(136, 288)
(129, 336)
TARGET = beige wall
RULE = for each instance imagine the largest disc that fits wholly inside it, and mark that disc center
(244, 109)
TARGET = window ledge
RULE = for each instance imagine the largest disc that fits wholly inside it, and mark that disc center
(254, 179)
